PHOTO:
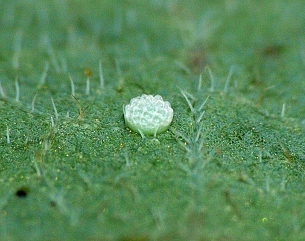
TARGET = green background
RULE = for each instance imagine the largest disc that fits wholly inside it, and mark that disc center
(237, 173)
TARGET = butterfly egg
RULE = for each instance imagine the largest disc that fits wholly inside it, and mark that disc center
(148, 114)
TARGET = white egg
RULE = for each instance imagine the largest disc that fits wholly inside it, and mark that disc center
(148, 114)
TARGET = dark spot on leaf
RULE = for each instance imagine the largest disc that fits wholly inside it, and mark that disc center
(53, 204)
(273, 51)
(197, 58)
(22, 192)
